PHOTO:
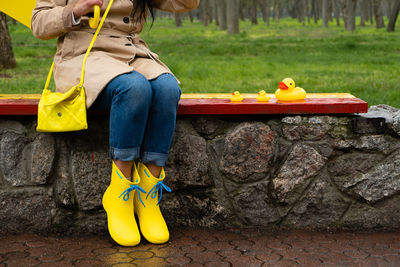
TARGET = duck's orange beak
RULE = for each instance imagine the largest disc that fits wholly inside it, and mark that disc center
(283, 86)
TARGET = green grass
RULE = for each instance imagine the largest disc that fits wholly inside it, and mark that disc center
(365, 63)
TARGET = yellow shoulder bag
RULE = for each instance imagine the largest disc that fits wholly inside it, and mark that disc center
(64, 112)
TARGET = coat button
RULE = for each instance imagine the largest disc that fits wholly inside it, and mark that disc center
(126, 20)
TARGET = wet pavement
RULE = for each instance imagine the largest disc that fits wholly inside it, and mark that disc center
(202, 247)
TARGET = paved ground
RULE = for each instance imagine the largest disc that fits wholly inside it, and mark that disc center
(208, 248)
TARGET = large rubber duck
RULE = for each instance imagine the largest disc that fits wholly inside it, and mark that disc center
(236, 97)
(289, 92)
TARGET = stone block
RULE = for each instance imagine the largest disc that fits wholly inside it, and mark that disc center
(382, 143)
(67, 222)
(207, 126)
(350, 164)
(380, 182)
(248, 152)
(253, 205)
(43, 153)
(390, 114)
(187, 164)
(367, 176)
(385, 144)
(25, 210)
(363, 125)
(302, 163)
(321, 207)
(303, 128)
(91, 176)
(13, 126)
(63, 186)
(193, 209)
(14, 155)
(323, 147)
(381, 216)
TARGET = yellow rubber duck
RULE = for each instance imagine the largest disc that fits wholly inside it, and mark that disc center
(289, 92)
(262, 96)
(236, 97)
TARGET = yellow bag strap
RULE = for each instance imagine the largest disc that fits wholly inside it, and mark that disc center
(87, 51)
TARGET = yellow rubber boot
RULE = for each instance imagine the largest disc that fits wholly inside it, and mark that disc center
(151, 221)
(118, 203)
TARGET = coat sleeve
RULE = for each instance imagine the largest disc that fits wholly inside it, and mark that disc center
(176, 6)
(51, 19)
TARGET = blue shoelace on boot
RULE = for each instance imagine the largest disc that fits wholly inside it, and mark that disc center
(132, 187)
(158, 187)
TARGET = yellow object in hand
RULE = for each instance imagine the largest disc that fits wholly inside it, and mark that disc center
(94, 22)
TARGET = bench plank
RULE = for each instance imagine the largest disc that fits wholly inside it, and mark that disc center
(219, 104)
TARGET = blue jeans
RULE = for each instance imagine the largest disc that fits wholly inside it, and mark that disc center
(142, 116)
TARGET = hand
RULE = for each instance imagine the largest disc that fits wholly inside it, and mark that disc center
(85, 6)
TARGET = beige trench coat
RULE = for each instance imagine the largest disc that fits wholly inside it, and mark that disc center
(117, 50)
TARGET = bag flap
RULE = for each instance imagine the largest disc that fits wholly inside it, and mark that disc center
(51, 98)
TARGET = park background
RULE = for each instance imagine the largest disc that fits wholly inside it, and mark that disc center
(344, 46)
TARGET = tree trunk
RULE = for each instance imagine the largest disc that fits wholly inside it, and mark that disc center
(393, 16)
(378, 14)
(241, 8)
(277, 11)
(371, 11)
(222, 14)
(210, 11)
(253, 12)
(214, 8)
(300, 7)
(364, 12)
(191, 17)
(7, 59)
(336, 9)
(307, 10)
(349, 14)
(315, 10)
(388, 7)
(178, 20)
(325, 13)
(204, 15)
(264, 5)
(232, 16)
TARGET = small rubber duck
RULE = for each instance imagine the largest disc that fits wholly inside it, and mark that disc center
(289, 92)
(236, 97)
(262, 96)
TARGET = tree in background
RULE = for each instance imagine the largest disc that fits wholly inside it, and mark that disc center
(326, 15)
(7, 59)
(377, 5)
(253, 11)
(227, 12)
(349, 14)
(265, 10)
(178, 20)
(277, 10)
(364, 11)
(232, 16)
(393, 16)
(221, 11)
(315, 8)
(336, 9)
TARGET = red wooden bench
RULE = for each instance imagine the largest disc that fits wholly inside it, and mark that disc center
(220, 104)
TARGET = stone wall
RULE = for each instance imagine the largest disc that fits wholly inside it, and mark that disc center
(307, 172)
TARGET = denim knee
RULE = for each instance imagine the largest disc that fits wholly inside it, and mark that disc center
(133, 87)
(166, 90)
